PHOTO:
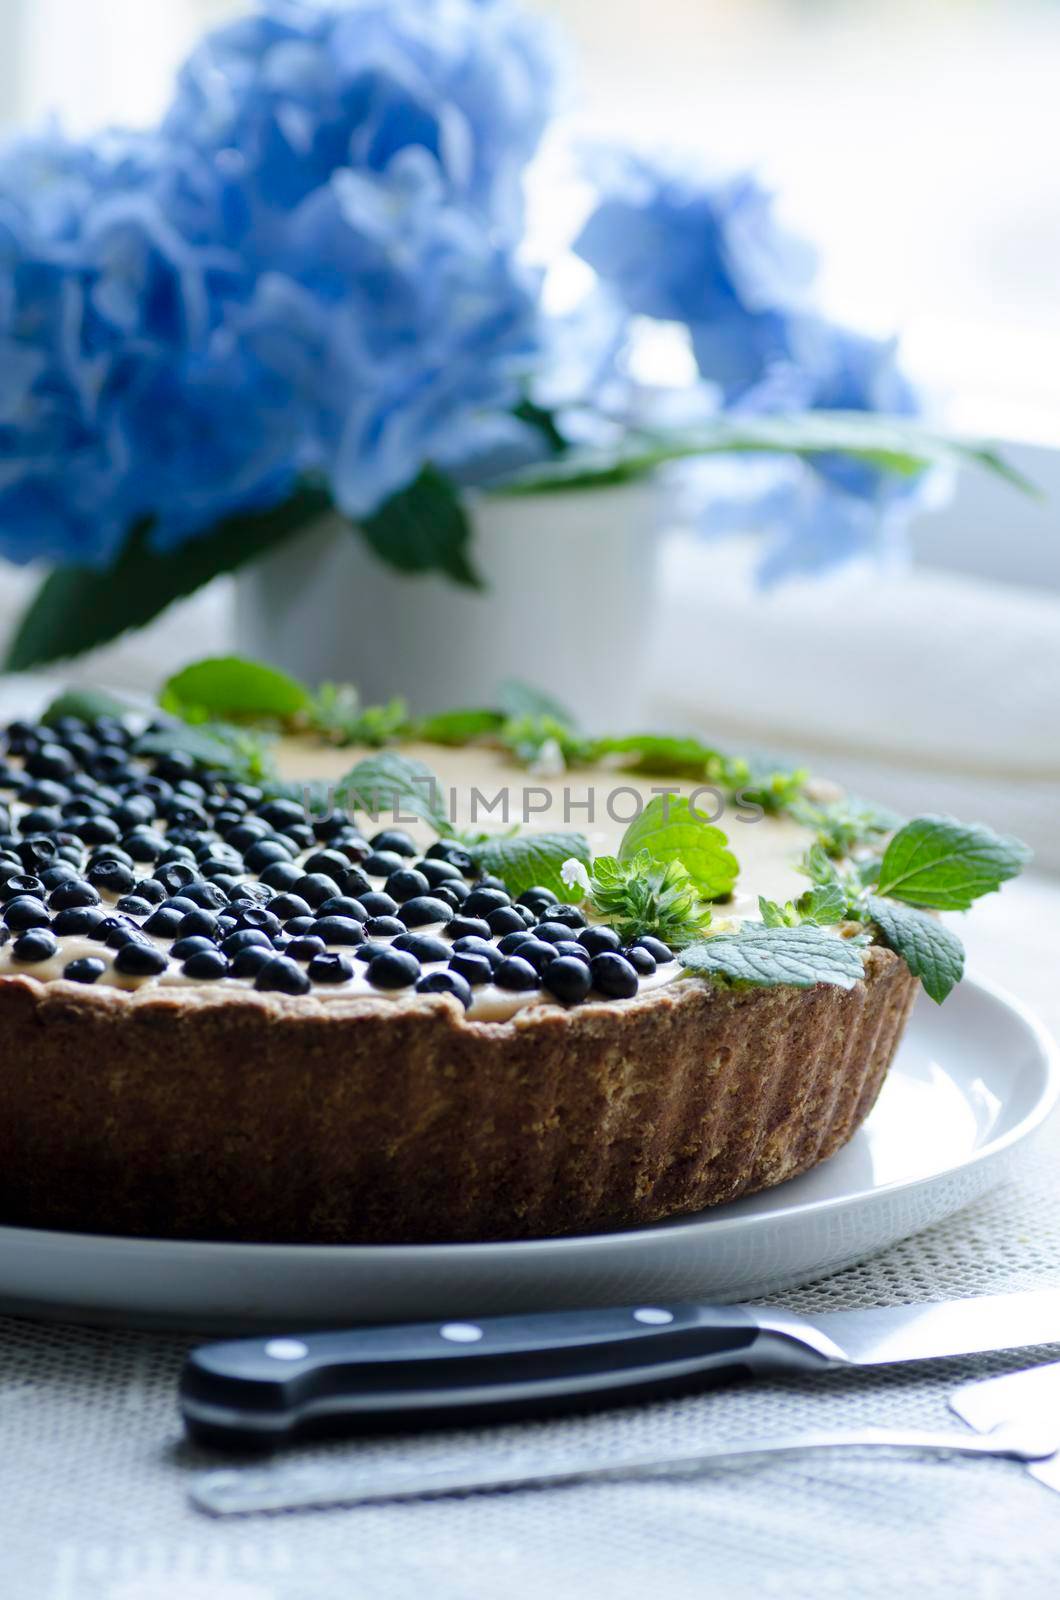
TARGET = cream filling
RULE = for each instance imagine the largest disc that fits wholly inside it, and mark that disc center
(768, 851)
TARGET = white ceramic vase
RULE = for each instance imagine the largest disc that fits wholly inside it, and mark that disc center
(568, 603)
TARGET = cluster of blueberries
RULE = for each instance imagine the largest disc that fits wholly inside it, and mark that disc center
(247, 887)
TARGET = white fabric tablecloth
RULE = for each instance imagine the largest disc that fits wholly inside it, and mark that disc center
(94, 1474)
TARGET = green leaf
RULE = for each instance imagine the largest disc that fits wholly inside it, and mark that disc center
(213, 745)
(944, 865)
(78, 608)
(424, 528)
(231, 688)
(767, 957)
(931, 951)
(893, 444)
(841, 825)
(394, 785)
(670, 829)
(458, 727)
(336, 713)
(533, 860)
(88, 704)
(822, 906)
(641, 896)
(664, 755)
(517, 699)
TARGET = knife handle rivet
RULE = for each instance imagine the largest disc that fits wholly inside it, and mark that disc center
(286, 1349)
(461, 1332)
(655, 1316)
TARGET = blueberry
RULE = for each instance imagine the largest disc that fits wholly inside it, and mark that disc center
(248, 833)
(570, 947)
(506, 919)
(26, 911)
(355, 882)
(117, 932)
(59, 872)
(599, 941)
(383, 927)
(612, 975)
(208, 895)
(368, 951)
(338, 930)
(423, 910)
(87, 970)
(135, 812)
(329, 827)
(283, 976)
(179, 902)
(132, 906)
(480, 902)
(299, 834)
(80, 921)
(655, 947)
(439, 872)
(150, 889)
(265, 854)
(329, 862)
(454, 894)
(539, 953)
(394, 840)
(22, 883)
(316, 888)
(38, 944)
(305, 948)
(196, 924)
(511, 942)
(247, 963)
(138, 960)
(479, 947)
(343, 905)
(143, 844)
(376, 904)
(255, 916)
(552, 932)
(175, 875)
(289, 905)
(251, 893)
(473, 968)
(331, 967)
(278, 812)
(567, 979)
(50, 761)
(294, 927)
(446, 983)
(515, 973)
(164, 922)
(424, 946)
(393, 969)
(110, 876)
(381, 863)
(642, 961)
(461, 927)
(569, 916)
(194, 945)
(243, 939)
(100, 830)
(406, 884)
(206, 964)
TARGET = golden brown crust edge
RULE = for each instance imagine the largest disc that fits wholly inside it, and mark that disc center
(173, 1114)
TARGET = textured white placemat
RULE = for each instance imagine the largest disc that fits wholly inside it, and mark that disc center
(94, 1473)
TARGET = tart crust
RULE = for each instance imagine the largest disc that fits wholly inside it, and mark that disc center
(174, 1113)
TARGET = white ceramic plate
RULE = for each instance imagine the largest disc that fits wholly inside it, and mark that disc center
(973, 1080)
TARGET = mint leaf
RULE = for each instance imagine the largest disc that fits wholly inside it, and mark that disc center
(78, 608)
(768, 957)
(670, 829)
(822, 906)
(931, 951)
(213, 745)
(666, 755)
(458, 727)
(641, 896)
(87, 704)
(944, 865)
(424, 528)
(534, 860)
(230, 688)
(392, 785)
(841, 825)
(518, 699)
(336, 714)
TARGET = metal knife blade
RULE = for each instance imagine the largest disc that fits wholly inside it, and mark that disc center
(431, 1374)
(1032, 1396)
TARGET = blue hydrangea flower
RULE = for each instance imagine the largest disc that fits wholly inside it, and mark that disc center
(310, 266)
(711, 256)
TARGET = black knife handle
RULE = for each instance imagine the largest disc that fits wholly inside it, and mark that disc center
(259, 1391)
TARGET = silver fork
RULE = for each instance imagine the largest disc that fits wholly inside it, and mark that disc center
(290, 1487)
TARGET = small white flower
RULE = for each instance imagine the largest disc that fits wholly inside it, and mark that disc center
(574, 874)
